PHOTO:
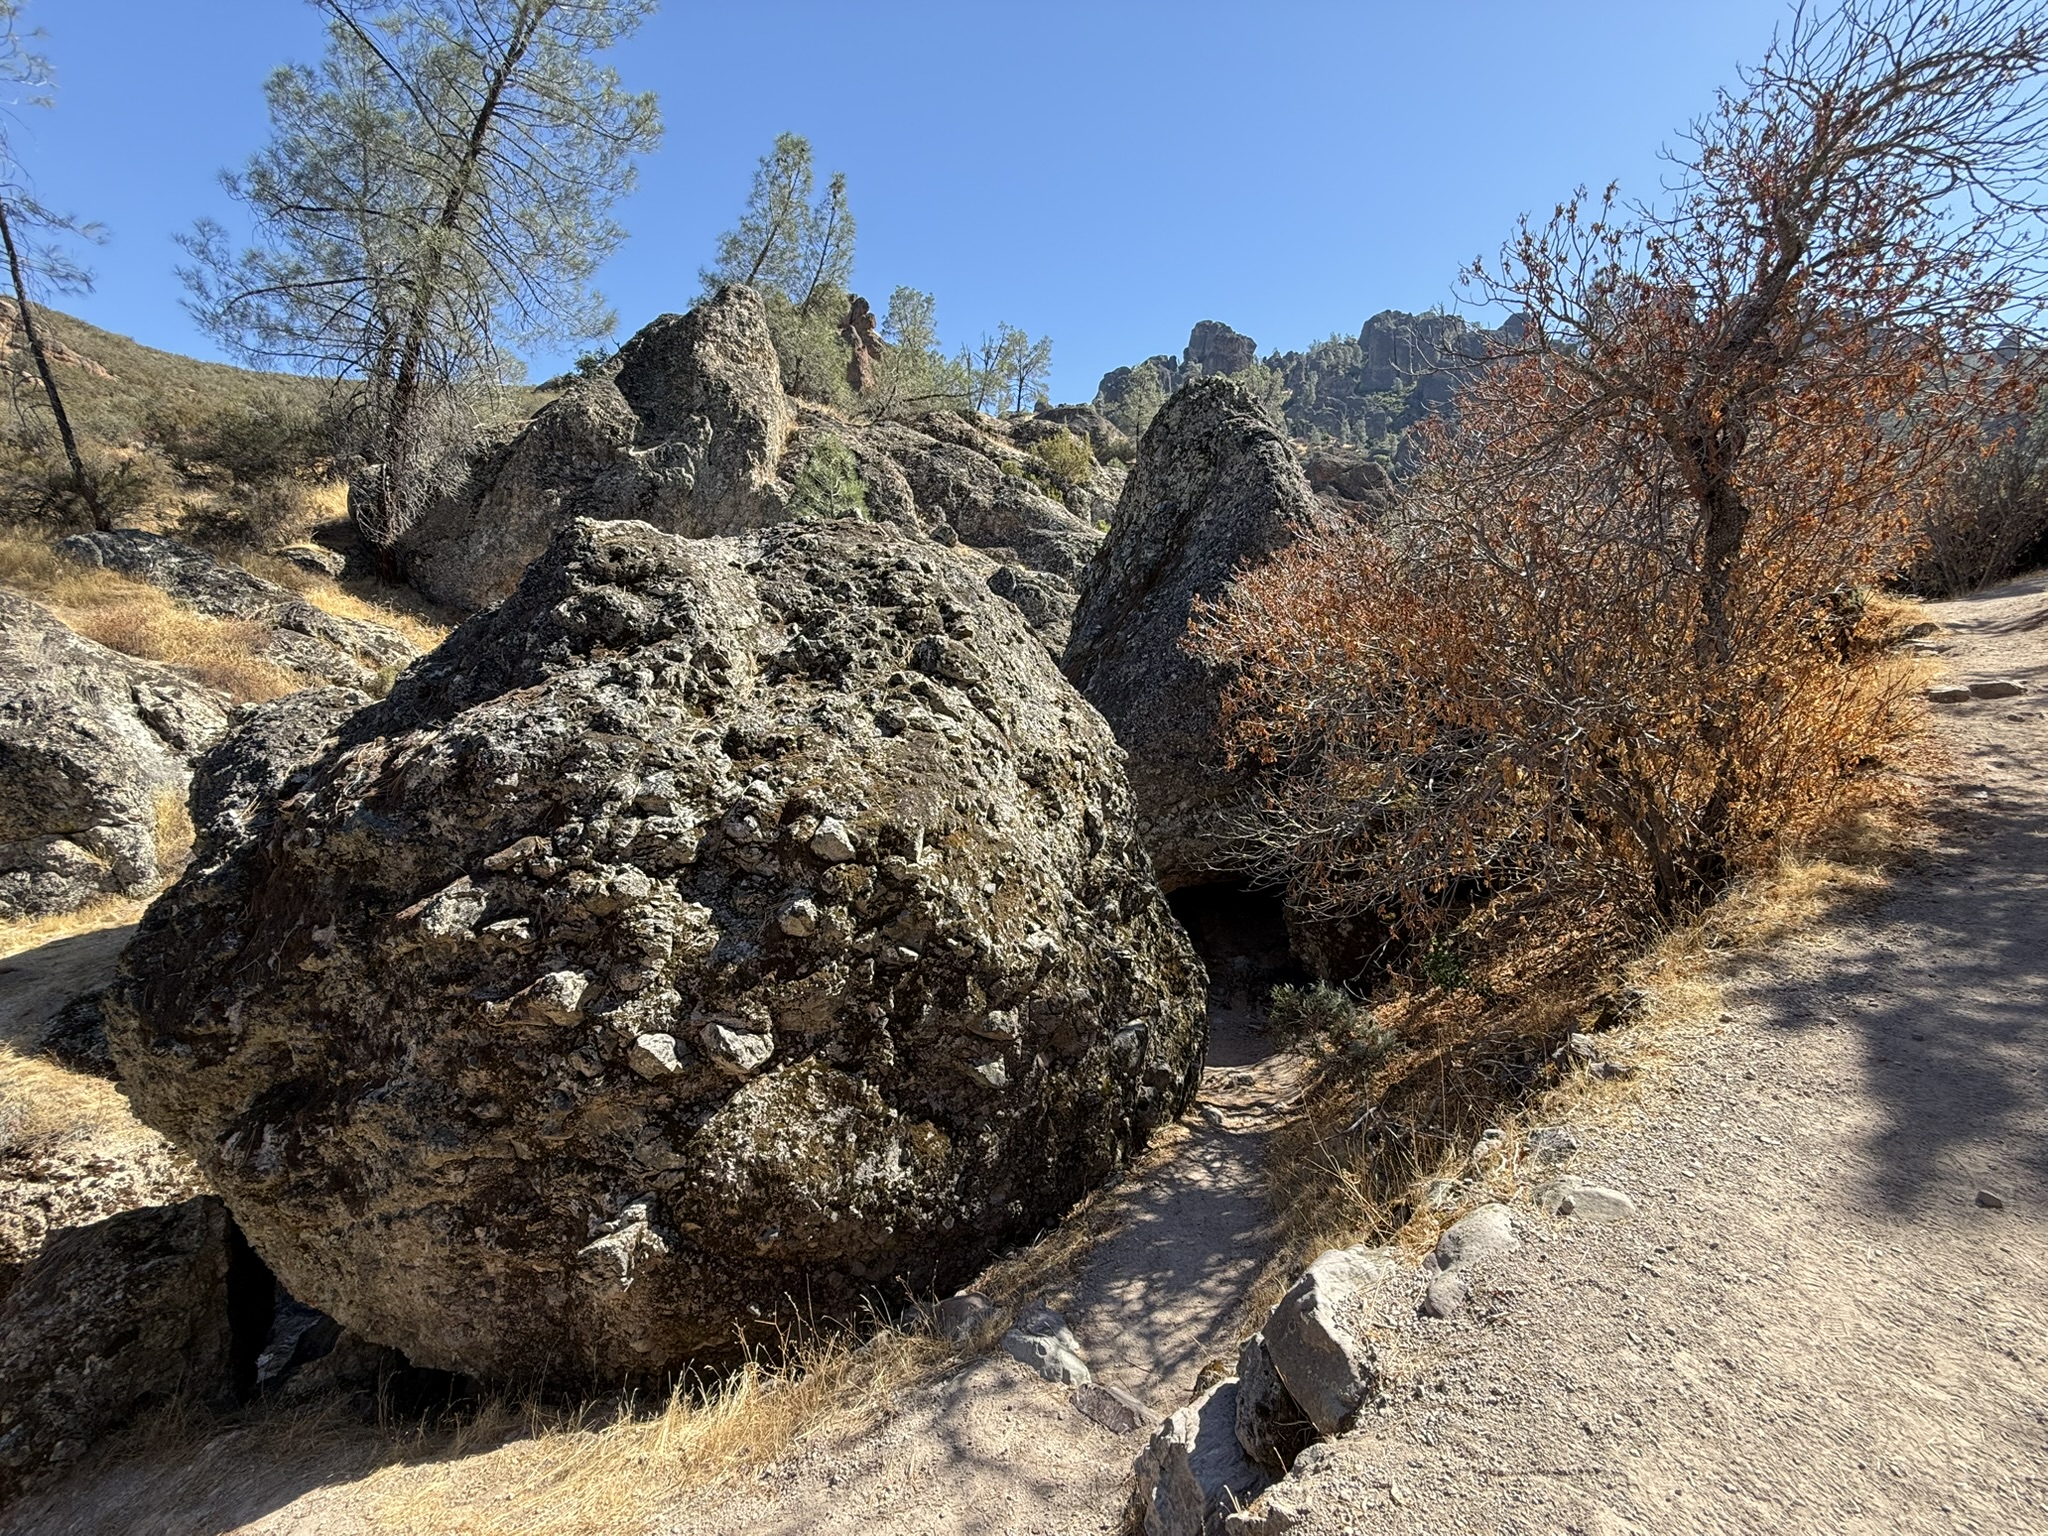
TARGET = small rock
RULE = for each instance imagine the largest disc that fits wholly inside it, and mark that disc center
(1587, 1202)
(1194, 1475)
(994, 1073)
(1948, 694)
(1270, 1424)
(1550, 1144)
(1448, 1295)
(959, 1318)
(1997, 688)
(832, 842)
(1318, 1335)
(1487, 1233)
(737, 1053)
(315, 558)
(1989, 1201)
(1111, 1407)
(653, 1056)
(799, 919)
(1042, 1340)
(1267, 1515)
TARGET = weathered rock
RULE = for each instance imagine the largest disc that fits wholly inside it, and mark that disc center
(1112, 1407)
(1273, 1512)
(109, 1319)
(1550, 1144)
(300, 638)
(1321, 1335)
(1270, 1424)
(1215, 487)
(1486, 1233)
(1997, 688)
(1350, 477)
(94, 748)
(865, 348)
(1214, 347)
(1588, 1202)
(682, 429)
(1446, 1295)
(1193, 1474)
(395, 1017)
(959, 1318)
(316, 559)
(1105, 437)
(1042, 1340)
(1949, 693)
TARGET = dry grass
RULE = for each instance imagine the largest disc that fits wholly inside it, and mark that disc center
(1364, 1160)
(138, 620)
(20, 934)
(44, 1106)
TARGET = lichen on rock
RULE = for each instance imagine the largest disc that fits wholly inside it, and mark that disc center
(715, 933)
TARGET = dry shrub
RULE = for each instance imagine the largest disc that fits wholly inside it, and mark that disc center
(1992, 524)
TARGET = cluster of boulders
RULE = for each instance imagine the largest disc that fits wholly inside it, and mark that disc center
(743, 920)
(688, 429)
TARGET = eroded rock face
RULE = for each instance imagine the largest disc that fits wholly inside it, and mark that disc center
(94, 746)
(713, 932)
(682, 429)
(109, 1319)
(689, 429)
(1215, 487)
(319, 646)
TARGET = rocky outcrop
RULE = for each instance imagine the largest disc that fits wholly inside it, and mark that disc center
(1215, 486)
(1349, 478)
(864, 347)
(689, 429)
(683, 429)
(94, 748)
(110, 1319)
(1214, 347)
(319, 646)
(716, 932)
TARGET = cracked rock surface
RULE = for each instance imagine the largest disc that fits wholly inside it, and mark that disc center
(715, 932)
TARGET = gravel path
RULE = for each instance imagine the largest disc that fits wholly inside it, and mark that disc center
(1817, 1324)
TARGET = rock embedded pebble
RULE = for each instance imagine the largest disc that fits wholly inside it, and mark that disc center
(354, 1010)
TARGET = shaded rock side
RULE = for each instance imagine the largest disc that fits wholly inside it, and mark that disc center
(108, 1320)
(683, 429)
(1215, 487)
(713, 933)
(1193, 1474)
(319, 646)
(94, 749)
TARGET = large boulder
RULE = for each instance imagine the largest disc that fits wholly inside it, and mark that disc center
(1214, 347)
(118, 1316)
(321, 647)
(1215, 487)
(717, 933)
(94, 754)
(682, 429)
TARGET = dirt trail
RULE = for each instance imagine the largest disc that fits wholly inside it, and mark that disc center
(1814, 1325)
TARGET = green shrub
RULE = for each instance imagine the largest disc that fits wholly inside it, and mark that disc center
(1064, 458)
(827, 486)
(1330, 1015)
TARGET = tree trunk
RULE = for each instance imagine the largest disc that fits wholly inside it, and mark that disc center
(79, 478)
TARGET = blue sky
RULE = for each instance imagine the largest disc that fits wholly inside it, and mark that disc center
(1104, 173)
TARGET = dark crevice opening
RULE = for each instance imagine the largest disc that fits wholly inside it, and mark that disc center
(1241, 934)
(251, 1304)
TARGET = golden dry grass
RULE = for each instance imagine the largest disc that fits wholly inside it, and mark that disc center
(138, 620)
(20, 934)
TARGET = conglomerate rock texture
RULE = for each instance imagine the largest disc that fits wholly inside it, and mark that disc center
(94, 746)
(716, 932)
(1216, 486)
